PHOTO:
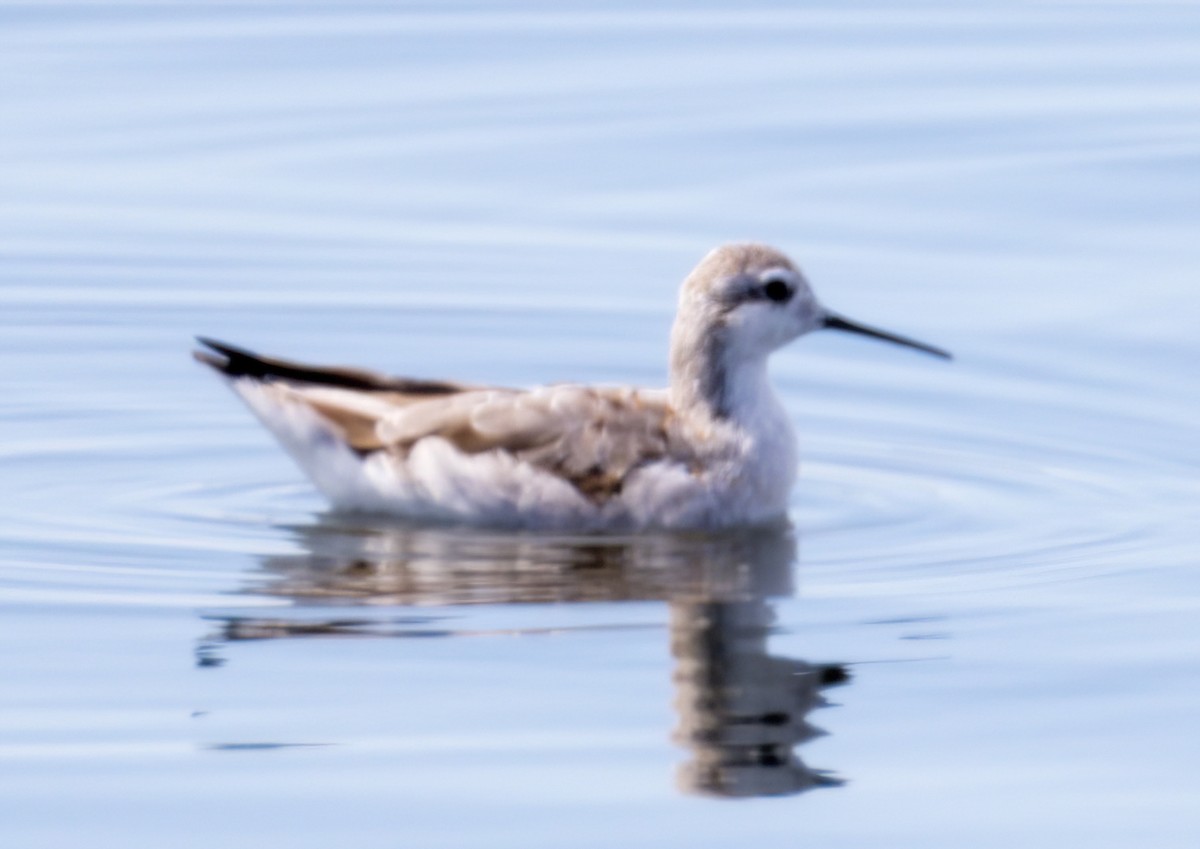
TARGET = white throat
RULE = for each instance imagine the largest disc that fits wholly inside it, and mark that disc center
(755, 431)
(712, 378)
(748, 394)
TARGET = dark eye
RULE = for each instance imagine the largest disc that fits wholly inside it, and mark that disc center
(777, 291)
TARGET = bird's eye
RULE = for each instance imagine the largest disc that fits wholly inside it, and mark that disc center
(777, 291)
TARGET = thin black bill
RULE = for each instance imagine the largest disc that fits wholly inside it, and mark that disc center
(834, 321)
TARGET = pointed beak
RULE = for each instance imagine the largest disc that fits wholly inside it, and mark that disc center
(833, 321)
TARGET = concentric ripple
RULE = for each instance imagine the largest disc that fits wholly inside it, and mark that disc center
(887, 499)
(1015, 488)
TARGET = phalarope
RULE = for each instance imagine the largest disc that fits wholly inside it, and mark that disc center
(714, 449)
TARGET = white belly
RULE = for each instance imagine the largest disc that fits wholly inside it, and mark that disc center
(747, 481)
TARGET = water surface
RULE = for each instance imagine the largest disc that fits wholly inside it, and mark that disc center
(979, 628)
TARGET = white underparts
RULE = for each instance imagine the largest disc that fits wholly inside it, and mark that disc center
(746, 479)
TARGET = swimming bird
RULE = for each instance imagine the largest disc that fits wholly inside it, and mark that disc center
(714, 449)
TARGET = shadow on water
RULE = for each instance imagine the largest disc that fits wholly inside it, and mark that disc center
(741, 710)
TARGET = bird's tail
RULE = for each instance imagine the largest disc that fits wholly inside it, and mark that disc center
(236, 362)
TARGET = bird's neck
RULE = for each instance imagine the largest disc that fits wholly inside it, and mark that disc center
(709, 379)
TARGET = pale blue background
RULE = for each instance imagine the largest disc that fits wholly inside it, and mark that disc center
(1004, 549)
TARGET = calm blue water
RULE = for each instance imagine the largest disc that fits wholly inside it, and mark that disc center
(982, 627)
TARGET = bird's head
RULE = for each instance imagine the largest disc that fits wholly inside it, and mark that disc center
(742, 302)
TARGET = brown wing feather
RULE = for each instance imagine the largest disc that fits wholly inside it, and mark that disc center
(592, 437)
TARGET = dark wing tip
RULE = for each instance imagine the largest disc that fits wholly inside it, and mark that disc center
(238, 362)
(224, 349)
(218, 363)
(232, 361)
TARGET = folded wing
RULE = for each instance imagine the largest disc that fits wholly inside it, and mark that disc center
(592, 437)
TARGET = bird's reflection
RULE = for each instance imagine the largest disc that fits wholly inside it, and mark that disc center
(742, 711)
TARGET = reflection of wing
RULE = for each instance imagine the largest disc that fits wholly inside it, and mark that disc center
(344, 561)
(591, 437)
